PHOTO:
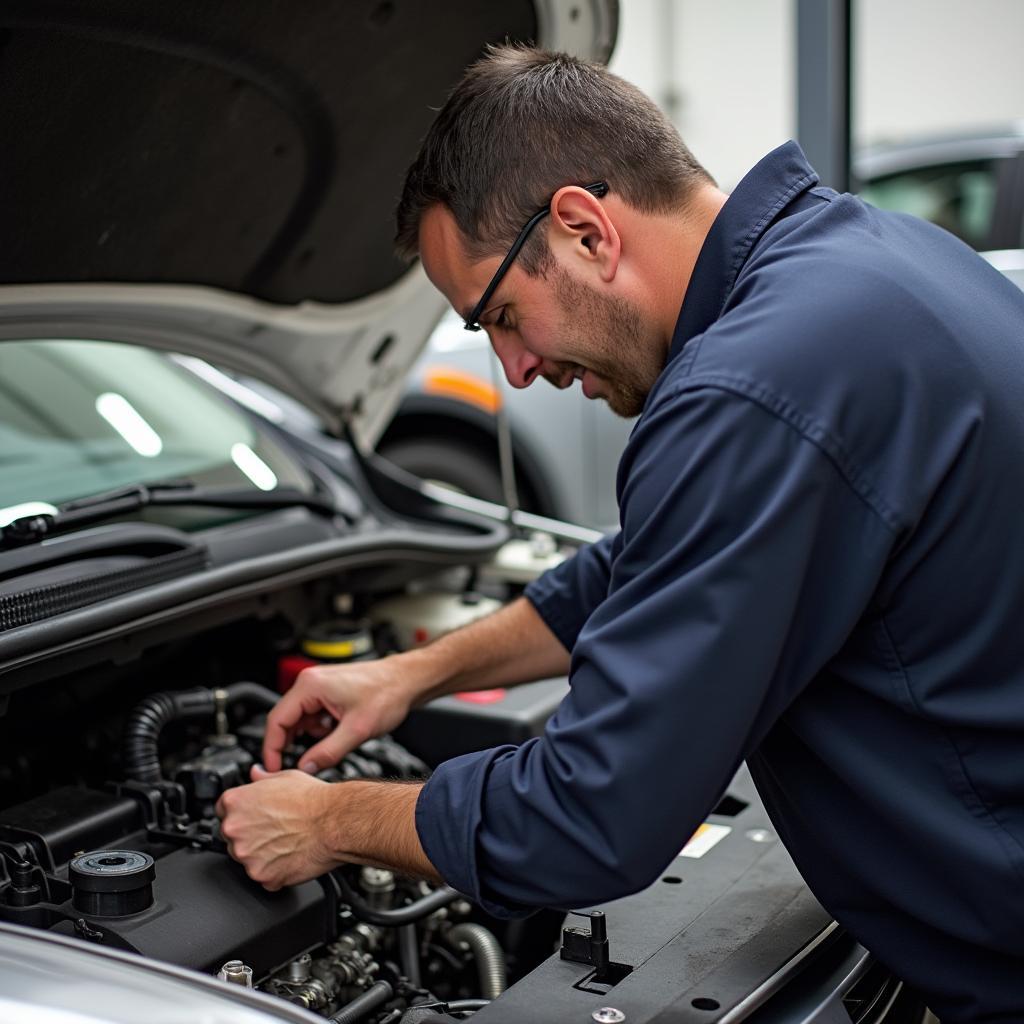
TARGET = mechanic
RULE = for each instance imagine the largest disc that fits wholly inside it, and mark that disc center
(820, 567)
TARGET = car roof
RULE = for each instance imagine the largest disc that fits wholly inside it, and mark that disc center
(928, 150)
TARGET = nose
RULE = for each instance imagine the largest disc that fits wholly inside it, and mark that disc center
(521, 366)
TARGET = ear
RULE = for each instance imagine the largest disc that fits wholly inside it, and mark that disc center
(582, 229)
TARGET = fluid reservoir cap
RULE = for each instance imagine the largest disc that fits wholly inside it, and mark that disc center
(112, 883)
(521, 561)
(111, 871)
(341, 640)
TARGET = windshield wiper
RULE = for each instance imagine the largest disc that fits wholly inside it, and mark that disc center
(71, 514)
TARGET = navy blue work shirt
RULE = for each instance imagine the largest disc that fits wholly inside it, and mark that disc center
(820, 570)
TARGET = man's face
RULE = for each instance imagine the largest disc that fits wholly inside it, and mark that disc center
(604, 338)
(554, 326)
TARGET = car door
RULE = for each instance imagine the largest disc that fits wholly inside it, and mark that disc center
(979, 199)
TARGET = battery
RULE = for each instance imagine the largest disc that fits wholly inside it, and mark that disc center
(465, 722)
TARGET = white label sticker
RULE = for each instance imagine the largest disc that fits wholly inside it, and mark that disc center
(704, 838)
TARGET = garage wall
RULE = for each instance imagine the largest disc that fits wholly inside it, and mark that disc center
(725, 69)
(931, 65)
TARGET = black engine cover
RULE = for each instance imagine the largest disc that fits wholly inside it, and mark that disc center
(207, 911)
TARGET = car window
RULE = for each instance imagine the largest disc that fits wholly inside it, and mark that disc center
(959, 197)
(81, 417)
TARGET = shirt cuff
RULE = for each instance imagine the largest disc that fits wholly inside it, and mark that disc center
(546, 602)
(448, 816)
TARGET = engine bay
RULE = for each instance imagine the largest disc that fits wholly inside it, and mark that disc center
(109, 838)
(115, 840)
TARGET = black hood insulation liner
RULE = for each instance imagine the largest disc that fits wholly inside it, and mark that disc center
(257, 147)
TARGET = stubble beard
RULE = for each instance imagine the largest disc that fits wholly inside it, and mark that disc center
(608, 333)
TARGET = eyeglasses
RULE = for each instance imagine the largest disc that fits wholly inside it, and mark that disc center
(472, 323)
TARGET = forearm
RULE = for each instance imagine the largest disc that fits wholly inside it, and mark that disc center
(374, 823)
(509, 647)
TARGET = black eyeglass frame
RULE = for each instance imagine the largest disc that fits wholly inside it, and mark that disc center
(472, 322)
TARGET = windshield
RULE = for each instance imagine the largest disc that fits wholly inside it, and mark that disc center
(81, 417)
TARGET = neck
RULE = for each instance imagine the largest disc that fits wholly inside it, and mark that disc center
(678, 239)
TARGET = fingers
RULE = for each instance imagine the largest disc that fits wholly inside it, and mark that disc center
(330, 750)
(300, 702)
(269, 827)
(279, 730)
(316, 726)
(320, 698)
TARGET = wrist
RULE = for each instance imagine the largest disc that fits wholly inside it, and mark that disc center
(421, 676)
(372, 822)
(326, 822)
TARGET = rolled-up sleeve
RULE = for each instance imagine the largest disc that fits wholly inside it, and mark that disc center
(745, 560)
(566, 596)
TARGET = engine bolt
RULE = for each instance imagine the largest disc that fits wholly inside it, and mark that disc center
(608, 1015)
(377, 880)
(299, 970)
(235, 972)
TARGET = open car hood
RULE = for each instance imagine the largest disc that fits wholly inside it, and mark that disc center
(219, 179)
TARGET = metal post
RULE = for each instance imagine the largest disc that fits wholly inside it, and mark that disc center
(823, 87)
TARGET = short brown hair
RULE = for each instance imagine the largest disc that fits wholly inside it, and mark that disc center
(520, 125)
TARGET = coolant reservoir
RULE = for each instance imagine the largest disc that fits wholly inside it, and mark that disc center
(520, 561)
(416, 619)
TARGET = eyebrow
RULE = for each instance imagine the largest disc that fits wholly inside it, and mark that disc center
(492, 306)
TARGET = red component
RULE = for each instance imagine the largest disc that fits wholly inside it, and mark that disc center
(288, 668)
(420, 635)
(482, 696)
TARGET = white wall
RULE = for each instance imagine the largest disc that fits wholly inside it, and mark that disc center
(725, 69)
(936, 65)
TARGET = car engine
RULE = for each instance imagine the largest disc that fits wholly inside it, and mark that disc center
(118, 842)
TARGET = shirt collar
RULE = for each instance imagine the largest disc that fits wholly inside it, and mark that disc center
(757, 200)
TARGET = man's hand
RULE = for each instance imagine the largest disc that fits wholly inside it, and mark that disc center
(345, 705)
(288, 827)
(274, 827)
(349, 703)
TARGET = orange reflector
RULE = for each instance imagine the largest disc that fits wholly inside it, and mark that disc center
(463, 387)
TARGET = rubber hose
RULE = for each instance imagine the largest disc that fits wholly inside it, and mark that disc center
(439, 1012)
(409, 953)
(145, 723)
(252, 692)
(423, 907)
(374, 997)
(489, 956)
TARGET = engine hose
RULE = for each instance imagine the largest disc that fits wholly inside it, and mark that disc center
(438, 1012)
(489, 956)
(374, 997)
(252, 692)
(147, 720)
(149, 717)
(421, 908)
(409, 953)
